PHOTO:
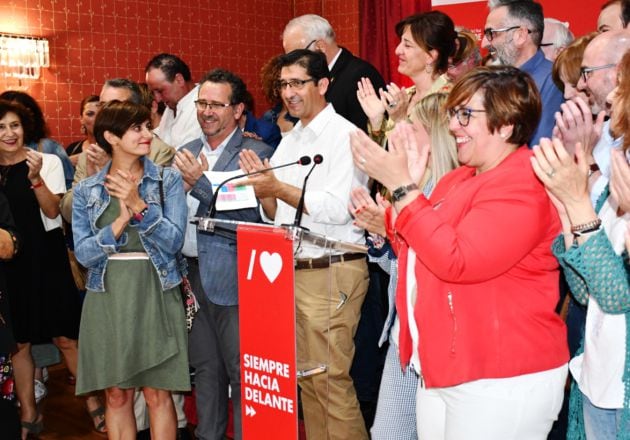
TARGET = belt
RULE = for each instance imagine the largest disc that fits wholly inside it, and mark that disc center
(129, 256)
(324, 262)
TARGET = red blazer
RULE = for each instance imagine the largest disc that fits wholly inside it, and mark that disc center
(487, 280)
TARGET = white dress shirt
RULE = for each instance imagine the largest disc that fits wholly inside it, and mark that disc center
(183, 128)
(190, 240)
(329, 186)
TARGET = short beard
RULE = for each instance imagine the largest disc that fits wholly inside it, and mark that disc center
(507, 56)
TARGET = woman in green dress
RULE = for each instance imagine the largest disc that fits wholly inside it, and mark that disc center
(128, 223)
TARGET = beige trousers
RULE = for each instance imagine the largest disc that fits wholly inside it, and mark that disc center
(328, 308)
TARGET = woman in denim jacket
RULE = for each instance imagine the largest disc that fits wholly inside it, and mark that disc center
(128, 222)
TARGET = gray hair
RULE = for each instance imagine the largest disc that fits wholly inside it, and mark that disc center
(562, 36)
(124, 83)
(313, 26)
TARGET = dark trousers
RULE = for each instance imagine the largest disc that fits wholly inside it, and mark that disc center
(213, 349)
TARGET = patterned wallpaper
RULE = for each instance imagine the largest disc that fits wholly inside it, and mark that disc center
(92, 40)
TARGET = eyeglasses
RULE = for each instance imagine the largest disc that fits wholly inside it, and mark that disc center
(545, 44)
(586, 72)
(296, 84)
(489, 32)
(308, 46)
(463, 114)
(214, 106)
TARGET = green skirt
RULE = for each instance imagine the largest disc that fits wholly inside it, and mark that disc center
(133, 334)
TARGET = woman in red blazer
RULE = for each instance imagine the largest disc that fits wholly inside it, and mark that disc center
(478, 283)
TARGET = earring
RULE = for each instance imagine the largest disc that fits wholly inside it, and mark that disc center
(83, 129)
(428, 68)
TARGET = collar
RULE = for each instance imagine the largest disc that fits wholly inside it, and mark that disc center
(217, 151)
(334, 60)
(187, 99)
(531, 65)
(318, 123)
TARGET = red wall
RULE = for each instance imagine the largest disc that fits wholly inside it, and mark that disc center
(92, 40)
(581, 14)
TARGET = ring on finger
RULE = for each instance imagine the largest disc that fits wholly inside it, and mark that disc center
(392, 104)
(362, 160)
(551, 173)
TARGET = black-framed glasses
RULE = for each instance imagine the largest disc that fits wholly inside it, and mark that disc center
(308, 46)
(463, 114)
(489, 32)
(202, 105)
(296, 84)
(585, 71)
(545, 44)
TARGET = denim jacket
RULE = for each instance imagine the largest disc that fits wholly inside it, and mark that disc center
(161, 230)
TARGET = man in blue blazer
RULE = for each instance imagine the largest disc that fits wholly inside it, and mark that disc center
(214, 339)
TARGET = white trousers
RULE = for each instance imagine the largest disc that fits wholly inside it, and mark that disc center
(516, 408)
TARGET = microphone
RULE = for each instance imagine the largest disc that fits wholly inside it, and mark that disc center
(317, 159)
(304, 160)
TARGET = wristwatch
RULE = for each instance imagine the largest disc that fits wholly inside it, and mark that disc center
(402, 191)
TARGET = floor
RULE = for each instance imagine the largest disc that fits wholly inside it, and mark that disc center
(65, 416)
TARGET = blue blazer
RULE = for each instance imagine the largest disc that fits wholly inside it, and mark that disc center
(217, 254)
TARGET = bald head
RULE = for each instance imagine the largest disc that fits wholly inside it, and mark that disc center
(602, 56)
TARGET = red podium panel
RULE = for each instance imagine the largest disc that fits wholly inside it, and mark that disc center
(267, 333)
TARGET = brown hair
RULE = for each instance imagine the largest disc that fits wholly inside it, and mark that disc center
(620, 118)
(569, 61)
(510, 97)
(467, 46)
(117, 117)
(432, 31)
(23, 113)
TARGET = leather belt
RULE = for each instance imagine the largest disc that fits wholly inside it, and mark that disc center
(324, 262)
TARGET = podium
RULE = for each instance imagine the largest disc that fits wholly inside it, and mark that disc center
(267, 319)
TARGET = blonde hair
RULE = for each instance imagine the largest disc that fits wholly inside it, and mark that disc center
(431, 113)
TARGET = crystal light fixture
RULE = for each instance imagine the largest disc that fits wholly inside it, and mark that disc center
(23, 56)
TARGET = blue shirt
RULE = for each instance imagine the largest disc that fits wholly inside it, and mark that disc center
(269, 132)
(539, 68)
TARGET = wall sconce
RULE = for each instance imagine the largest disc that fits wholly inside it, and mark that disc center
(23, 56)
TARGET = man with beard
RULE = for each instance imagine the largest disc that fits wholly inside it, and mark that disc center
(214, 339)
(512, 34)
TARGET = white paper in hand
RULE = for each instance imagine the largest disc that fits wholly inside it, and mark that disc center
(232, 195)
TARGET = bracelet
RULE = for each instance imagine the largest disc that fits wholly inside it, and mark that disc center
(592, 169)
(585, 228)
(14, 240)
(138, 216)
(38, 184)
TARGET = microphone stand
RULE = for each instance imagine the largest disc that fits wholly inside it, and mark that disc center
(317, 159)
(304, 160)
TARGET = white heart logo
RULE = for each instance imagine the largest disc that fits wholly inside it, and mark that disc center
(271, 264)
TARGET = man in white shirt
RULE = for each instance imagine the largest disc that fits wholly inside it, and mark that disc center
(326, 319)
(170, 81)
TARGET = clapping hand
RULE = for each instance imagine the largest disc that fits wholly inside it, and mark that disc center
(96, 159)
(368, 214)
(620, 180)
(34, 162)
(575, 125)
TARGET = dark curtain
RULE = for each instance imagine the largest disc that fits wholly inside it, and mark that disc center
(378, 39)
